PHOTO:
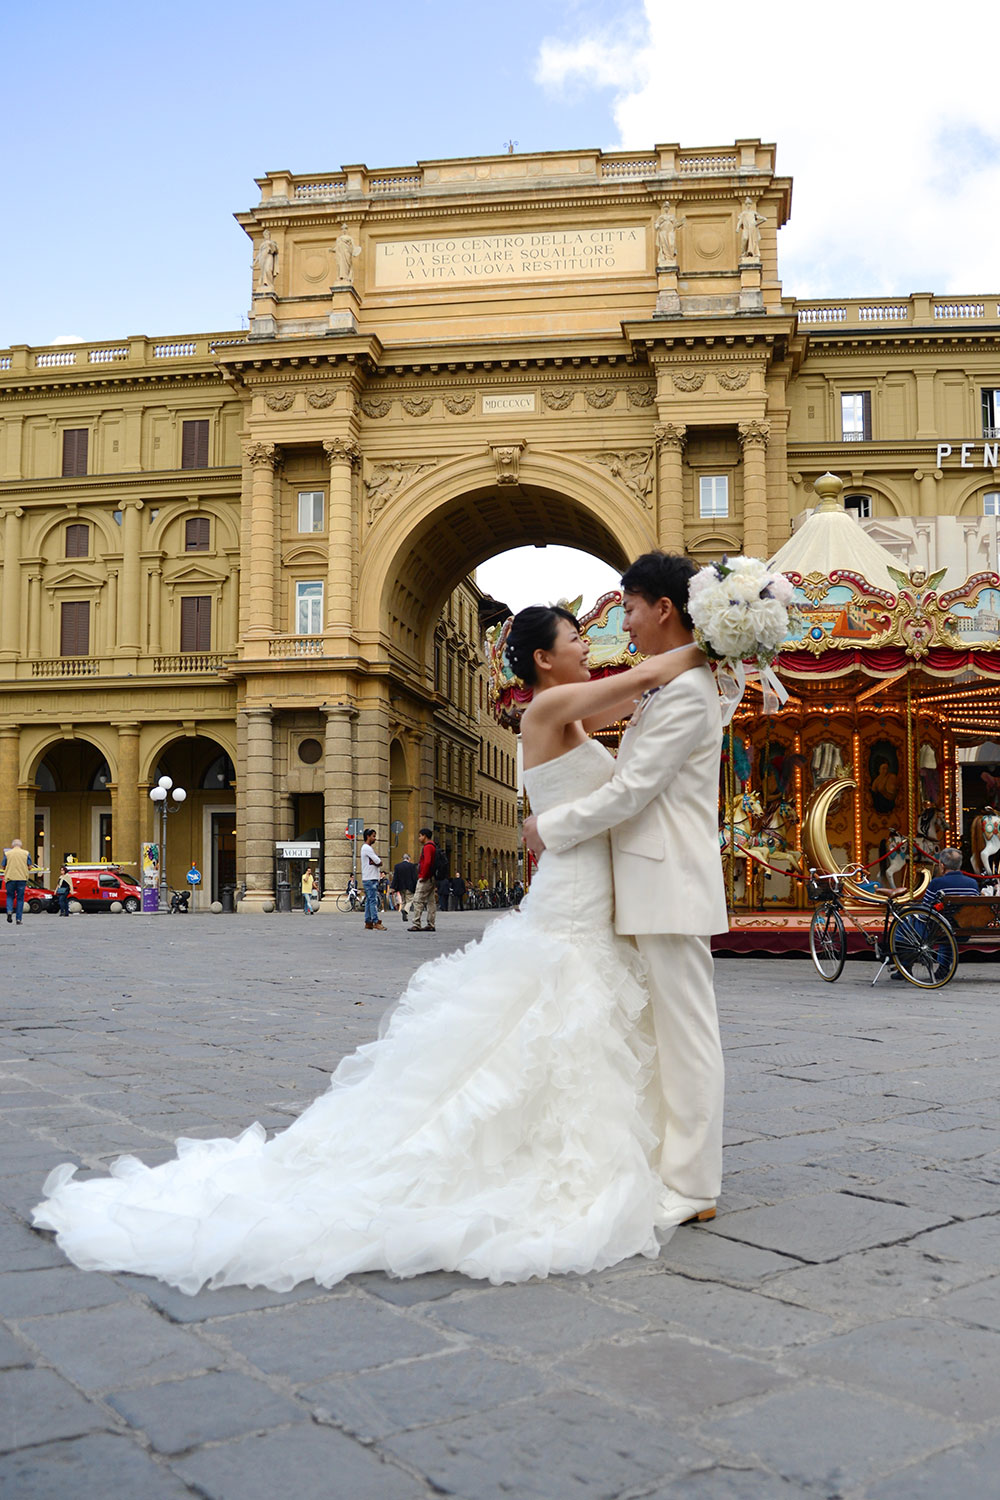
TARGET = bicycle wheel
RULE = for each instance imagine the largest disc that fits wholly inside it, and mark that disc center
(828, 942)
(922, 946)
(344, 903)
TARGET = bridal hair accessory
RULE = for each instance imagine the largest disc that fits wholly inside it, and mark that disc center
(740, 614)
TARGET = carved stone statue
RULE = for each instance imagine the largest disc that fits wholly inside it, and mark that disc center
(266, 263)
(748, 224)
(666, 227)
(345, 253)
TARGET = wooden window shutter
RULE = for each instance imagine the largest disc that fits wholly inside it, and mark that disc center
(74, 628)
(196, 534)
(194, 445)
(77, 540)
(196, 622)
(74, 454)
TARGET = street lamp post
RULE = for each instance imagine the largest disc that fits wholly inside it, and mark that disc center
(168, 799)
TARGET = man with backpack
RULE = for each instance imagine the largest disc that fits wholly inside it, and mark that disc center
(425, 898)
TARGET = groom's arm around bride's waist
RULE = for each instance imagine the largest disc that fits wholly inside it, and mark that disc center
(680, 724)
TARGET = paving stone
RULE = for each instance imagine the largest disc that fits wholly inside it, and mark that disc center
(180, 1414)
(414, 1290)
(948, 1369)
(711, 1257)
(37, 1406)
(833, 1440)
(34, 1294)
(974, 1243)
(826, 1226)
(223, 1302)
(871, 1284)
(370, 1406)
(117, 1346)
(968, 1471)
(723, 1314)
(313, 1463)
(539, 1317)
(959, 1196)
(13, 1351)
(101, 1467)
(730, 1482)
(560, 1447)
(978, 1304)
(308, 1342)
(24, 1249)
(664, 1373)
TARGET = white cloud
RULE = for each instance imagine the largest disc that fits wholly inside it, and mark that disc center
(889, 124)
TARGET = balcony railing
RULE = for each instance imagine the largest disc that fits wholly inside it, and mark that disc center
(296, 645)
(134, 352)
(189, 661)
(919, 309)
(66, 666)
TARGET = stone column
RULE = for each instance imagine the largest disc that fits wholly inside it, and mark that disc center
(670, 438)
(129, 635)
(776, 464)
(338, 802)
(105, 644)
(342, 533)
(371, 779)
(154, 577)
(753, 438)
(258, 817)
(34, 615)
(10, 767)
(260, 605)
(232, 631)
(10, 593)
(126, 827)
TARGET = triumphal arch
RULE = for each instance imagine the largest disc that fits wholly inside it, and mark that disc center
(467, 356)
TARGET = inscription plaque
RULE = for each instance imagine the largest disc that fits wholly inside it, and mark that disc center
(493, 404)
(486, 258)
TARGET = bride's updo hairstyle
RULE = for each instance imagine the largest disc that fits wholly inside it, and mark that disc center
(533, 629)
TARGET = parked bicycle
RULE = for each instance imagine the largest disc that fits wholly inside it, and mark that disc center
(915, 939)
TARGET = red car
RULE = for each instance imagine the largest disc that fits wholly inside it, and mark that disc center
(36, 897)
(96, 886)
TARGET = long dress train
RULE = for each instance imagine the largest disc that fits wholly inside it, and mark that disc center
(502, 1125)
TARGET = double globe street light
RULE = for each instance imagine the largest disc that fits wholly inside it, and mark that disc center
(168, 799)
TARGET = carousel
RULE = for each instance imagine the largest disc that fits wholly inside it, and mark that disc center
(886, 750)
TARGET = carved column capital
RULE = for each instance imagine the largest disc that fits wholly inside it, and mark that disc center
(260, 455)
(507, 460)
(342, 451)
(754, 434)
(670, 435)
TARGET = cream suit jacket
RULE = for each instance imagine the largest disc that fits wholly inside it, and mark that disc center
(661, 806)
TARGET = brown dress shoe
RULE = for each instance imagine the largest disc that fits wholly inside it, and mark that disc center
(369, 926)
(379, 927)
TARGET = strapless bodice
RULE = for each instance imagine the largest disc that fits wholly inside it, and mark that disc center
(581, 770)
(571, 891)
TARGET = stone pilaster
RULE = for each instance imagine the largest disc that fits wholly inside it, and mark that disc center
(126, 827)
(130, 601)
(10, 591)
(753, 439)
(10, 759)
(154, 580)
(260, 605)
(670, 438)
(258, 813)
(34, 615)
(338, 801)
(344, 457)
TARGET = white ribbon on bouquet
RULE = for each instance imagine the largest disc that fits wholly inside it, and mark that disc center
(732, 677)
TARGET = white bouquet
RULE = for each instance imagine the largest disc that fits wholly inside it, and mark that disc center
(740, 614)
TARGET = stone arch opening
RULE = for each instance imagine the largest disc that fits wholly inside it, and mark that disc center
(69, 813)
(201, 831)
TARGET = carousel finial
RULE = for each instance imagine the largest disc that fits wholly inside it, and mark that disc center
(829, 488)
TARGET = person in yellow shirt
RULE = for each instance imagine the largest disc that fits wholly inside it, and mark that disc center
(17, 865)
(308, 886)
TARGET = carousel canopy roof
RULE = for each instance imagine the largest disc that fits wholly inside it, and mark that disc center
(831, 539)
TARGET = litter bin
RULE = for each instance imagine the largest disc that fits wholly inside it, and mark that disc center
(283, 895)
(228, 895)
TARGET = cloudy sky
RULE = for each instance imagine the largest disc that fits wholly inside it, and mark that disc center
(135, 132)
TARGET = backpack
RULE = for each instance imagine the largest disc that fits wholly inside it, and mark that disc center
(440, 865)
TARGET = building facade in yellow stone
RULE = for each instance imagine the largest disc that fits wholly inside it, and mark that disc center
(238, 559)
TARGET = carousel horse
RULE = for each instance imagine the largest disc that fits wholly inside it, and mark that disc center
(893, 855)
(929, 836)
(986, 841)
(740, 821)
(775, 828)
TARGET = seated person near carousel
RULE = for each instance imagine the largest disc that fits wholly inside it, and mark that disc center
(952, 881)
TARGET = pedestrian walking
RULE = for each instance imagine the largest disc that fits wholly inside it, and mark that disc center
(308, 887)
(404, 884)
(457, 892)
(17, 865)
(63, 892)
(371, 869)
(425, 897)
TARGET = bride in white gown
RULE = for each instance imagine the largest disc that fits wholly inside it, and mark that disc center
(501, 1126)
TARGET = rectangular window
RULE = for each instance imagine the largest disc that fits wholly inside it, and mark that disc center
(197, 534)
(856, 416)
(74, 628)
(74, 454)
(310, 510)
(991, 413)
(860, 504)
(77, 540)
(194, 445)
(196, 622)
(991, 503)
(309, 608)
(713, 496)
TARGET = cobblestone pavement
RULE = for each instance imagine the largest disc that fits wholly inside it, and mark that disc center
(836, 1332)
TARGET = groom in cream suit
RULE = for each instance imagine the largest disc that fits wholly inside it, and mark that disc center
(661, 807)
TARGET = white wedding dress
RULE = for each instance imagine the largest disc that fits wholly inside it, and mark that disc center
(502, 1125)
